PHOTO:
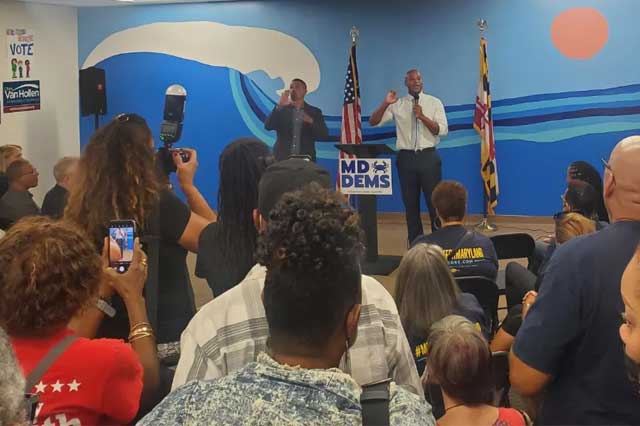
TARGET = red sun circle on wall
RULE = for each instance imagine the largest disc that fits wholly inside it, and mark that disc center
(580, 32)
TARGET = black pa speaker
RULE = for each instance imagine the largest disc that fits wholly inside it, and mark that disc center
(93, 91)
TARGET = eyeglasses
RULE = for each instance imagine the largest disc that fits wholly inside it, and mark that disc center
(124, 117)
(607, 166)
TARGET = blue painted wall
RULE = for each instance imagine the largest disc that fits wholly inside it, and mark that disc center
(549, 109)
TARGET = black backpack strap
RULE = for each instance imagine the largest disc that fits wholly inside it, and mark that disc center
(375, 403)
(458, 246)
(47, 361)
(151, 242)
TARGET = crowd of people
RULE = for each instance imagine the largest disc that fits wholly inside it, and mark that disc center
(296, 333)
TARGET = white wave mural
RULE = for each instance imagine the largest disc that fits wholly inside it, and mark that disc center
(245, 49)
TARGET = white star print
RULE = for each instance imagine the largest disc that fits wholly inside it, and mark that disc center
(40, 387)
(73, 386)
(57, 386)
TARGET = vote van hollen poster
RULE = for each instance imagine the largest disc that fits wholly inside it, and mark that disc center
(21, 53)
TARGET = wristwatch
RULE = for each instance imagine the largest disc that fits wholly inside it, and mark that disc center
(106, 308)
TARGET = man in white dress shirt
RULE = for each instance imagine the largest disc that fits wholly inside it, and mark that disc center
(420, 122)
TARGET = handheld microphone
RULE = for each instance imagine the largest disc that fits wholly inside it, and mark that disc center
(416, 98)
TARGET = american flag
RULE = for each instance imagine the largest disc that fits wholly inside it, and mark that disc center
(483, 123)
(351, 131)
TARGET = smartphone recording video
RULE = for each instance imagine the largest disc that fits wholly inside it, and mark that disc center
(121, 236)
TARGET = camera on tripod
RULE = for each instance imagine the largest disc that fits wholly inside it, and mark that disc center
(171, 128)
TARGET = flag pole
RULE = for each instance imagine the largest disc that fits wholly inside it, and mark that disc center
(484, 224)
(355, 34)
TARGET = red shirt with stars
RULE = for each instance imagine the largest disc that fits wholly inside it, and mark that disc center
(94, 382)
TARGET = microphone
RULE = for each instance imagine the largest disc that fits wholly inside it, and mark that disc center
(416, 98)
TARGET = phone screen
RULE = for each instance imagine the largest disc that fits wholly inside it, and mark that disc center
(121, 236)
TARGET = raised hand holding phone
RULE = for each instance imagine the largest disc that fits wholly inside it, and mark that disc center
(121, 237)
(130, 284)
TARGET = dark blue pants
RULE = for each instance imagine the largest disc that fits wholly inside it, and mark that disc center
(419, 171)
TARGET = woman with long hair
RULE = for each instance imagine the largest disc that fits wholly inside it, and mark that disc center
(226, 247)
(118, 180)
(427, 292)
(583, 171)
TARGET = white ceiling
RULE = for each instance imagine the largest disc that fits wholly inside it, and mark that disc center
(92, 3)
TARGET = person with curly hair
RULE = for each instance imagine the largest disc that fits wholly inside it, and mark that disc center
(312, 297)
(118, 179)
(231, 331)
(49, 272)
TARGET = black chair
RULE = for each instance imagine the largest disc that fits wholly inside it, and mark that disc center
(513, 246)
(500, 371)
(487, 293)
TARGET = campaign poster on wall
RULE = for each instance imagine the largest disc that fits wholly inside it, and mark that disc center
(21, 53)
(20, 96)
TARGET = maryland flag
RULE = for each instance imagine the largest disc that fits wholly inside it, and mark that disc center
(483, 123)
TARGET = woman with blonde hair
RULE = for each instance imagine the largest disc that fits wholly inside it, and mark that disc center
(427, 292)
(8, 154)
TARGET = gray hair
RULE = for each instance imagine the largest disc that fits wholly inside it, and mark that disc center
(12, 408)
(425, 289)
(460, 360)
(61, 169)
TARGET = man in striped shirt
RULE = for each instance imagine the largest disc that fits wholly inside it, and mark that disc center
(231, 330)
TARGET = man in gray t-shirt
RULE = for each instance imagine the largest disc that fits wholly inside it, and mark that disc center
(18, 202)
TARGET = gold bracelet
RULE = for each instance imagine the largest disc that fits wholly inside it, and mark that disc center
(140, 330)
(140, 336)
(140, 324)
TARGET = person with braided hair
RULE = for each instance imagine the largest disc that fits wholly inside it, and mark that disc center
(311, 248)
(225, 248)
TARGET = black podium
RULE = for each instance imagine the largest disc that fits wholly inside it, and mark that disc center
(374, 264)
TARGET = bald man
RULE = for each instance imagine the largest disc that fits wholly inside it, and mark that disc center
(420, 123)
(568, 345)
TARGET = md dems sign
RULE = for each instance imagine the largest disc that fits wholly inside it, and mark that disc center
(365, 176)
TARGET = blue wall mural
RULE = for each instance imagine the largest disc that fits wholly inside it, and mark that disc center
(557, 97)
